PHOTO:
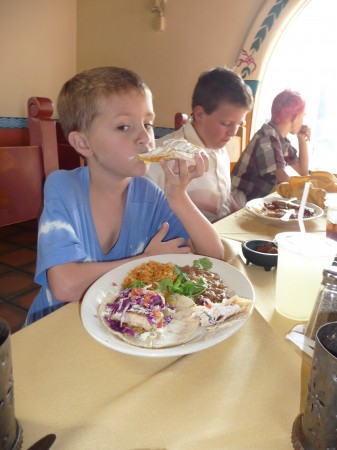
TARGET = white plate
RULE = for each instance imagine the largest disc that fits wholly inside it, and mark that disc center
(255, 205)
(204, 339)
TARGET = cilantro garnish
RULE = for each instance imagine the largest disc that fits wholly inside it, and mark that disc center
(163, 285)
(203, 263)
(182, 284)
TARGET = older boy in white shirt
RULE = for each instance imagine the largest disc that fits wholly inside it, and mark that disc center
(220, 103)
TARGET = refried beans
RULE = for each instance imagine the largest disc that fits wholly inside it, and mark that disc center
(216, 290)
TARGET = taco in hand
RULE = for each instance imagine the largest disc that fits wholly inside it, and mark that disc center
(171, 149)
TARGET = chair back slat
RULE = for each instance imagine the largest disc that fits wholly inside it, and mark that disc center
(179, 120)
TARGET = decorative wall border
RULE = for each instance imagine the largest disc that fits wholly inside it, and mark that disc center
(161, 131)
(13, 122)
(264, 33)
(22, 122)
(249, 57)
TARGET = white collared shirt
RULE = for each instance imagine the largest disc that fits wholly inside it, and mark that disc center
(211, 193)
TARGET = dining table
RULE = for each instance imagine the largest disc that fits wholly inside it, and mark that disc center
(242, 393)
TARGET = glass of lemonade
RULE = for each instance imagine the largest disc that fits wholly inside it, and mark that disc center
(301, 260)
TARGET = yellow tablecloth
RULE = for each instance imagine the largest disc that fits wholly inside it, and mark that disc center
(243, 393)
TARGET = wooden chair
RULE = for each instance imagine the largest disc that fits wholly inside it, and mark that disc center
(68, 156)
(23, 169)
(179, 120)
(235, 146)
(47, 133)
(42, 132)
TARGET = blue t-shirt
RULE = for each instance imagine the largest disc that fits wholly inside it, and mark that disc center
(67, 232)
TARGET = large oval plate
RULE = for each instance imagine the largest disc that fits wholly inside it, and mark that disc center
(255, 206)
(203, 339)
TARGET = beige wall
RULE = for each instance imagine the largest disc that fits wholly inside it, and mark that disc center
(199, 34)
(44, 42)
(37, 52)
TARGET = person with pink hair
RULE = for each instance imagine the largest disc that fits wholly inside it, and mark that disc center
(269, 158)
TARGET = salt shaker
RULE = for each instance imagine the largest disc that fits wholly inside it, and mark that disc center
(325, 308)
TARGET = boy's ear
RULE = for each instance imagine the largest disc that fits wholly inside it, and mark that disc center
(198, 112)
(79, 142)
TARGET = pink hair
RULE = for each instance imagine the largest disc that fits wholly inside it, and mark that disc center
(286, 105)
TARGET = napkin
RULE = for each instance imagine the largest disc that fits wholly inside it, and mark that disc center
(297, 337)
(231, 249)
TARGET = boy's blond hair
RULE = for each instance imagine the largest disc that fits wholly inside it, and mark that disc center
(81, 97)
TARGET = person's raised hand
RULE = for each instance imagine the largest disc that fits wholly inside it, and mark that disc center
(305, 132)
(181, 174)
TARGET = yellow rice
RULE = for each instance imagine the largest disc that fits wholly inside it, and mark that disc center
(150, 273)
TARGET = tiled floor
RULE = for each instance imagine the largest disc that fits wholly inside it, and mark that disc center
(17, 267)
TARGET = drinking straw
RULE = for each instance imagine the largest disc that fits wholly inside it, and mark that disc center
(302, 206)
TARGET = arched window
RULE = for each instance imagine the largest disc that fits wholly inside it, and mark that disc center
(291, 45)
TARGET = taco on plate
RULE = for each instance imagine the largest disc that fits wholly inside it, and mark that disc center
(142, 317)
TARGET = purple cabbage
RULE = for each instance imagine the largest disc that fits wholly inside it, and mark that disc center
(124, 303)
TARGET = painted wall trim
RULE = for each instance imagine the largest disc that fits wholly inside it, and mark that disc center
(261, 39)
(13, 122)
(22, 122)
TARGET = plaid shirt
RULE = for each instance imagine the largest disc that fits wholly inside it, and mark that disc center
(254, 173)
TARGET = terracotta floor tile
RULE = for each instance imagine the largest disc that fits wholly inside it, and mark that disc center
(14, 315)
(29, 268)
(20, 257)
(26, 299)
(25, 239)
(4, 268)
(15, 283)
(6, 246)
(17, 287)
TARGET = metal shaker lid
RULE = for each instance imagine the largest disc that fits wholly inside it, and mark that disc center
(330, 275)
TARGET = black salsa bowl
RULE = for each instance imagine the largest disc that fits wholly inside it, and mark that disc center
(258, 257)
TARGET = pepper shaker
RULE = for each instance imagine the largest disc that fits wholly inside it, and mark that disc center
(325, 307)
